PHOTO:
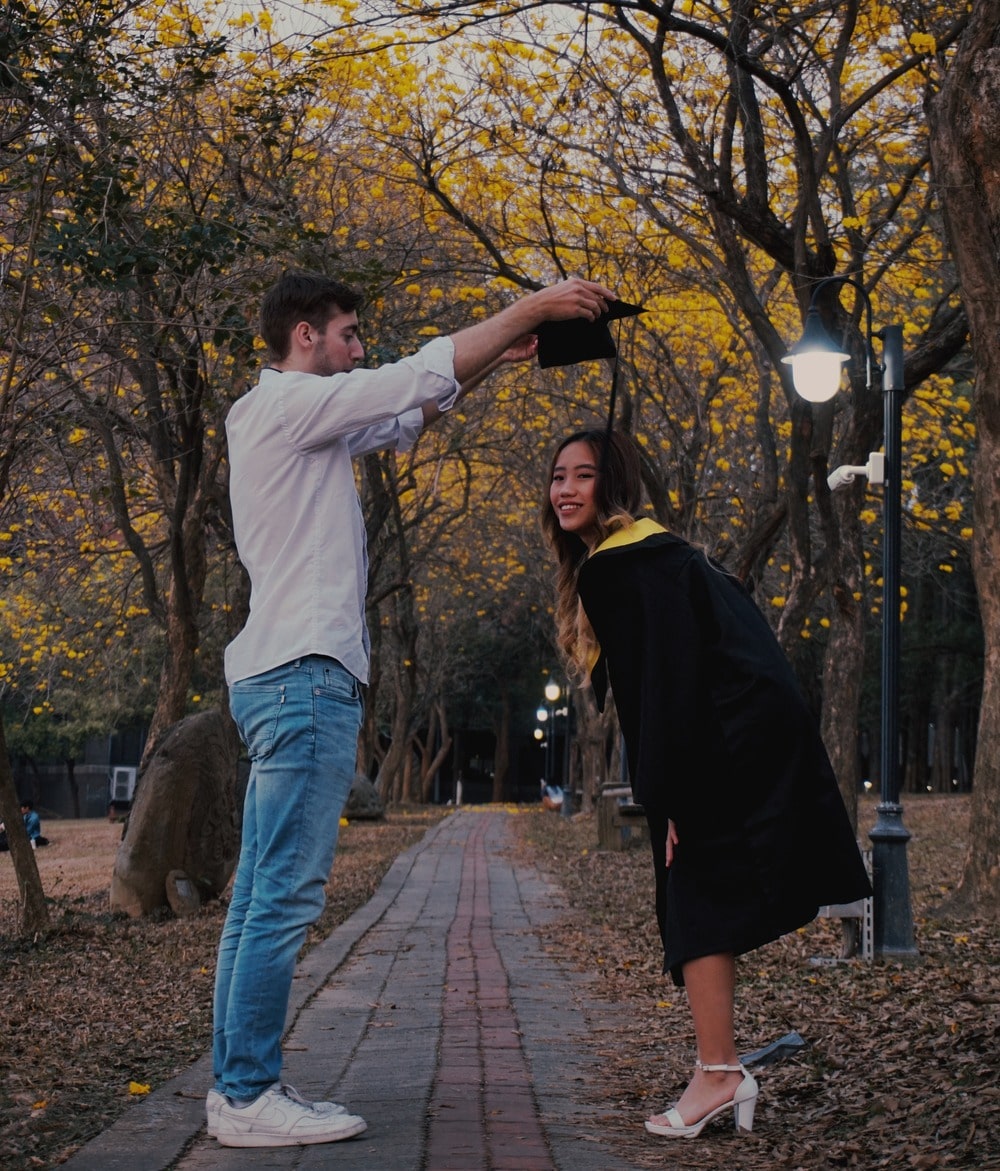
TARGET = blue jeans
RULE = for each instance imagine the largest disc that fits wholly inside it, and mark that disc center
(300, 724)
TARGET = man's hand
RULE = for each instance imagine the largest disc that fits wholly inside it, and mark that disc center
(571, 298)
(523, 350)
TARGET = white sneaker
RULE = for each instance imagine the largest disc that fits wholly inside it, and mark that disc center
(279, 1117)
(214, 1101)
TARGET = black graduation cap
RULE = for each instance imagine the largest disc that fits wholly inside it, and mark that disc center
(563, 343)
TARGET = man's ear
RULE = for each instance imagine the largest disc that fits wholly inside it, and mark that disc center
(303, 335)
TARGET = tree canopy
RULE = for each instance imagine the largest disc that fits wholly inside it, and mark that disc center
(159, 165)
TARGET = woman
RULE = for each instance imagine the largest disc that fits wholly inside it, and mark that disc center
(749, 833)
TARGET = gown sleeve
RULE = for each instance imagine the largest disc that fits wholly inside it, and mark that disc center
(653, 641)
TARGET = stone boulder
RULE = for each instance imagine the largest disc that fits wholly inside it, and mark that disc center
(364, 803)
(185, 821)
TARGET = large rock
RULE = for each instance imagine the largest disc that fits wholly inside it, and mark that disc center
(364, 803)
(185, 820)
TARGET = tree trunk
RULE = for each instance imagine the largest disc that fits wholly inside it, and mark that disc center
(434, 753)
(390, 779)
(74, 787)
(32, 913)
(370, 752)
(501, 755)
(965, 148)
(845, 659)
(175, 675)
(598, 766)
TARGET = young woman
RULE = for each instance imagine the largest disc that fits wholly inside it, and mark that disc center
(749, 833)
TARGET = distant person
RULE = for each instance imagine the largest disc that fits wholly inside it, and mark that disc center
(32, 825)
(296, 670)
(749, 832)
(552, 796)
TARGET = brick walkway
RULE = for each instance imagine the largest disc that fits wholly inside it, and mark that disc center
(435, 1014)
(483, 1111)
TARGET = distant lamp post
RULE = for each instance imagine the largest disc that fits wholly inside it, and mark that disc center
(552, 693)
(816, 363)
(543, 735)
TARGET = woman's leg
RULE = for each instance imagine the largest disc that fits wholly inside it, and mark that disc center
(710, 982)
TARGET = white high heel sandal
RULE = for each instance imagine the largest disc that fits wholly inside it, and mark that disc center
(743, 1103)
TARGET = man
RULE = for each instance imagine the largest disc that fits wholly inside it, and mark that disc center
(32, 824)
(296, 669)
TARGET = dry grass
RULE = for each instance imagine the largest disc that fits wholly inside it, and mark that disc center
(77, 864)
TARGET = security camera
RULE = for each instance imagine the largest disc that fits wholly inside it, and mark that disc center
(844, 475)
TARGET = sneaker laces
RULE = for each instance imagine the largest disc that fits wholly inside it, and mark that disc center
(293, 1093)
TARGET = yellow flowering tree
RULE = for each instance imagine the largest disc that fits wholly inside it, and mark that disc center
(718, 161)
(165, 158)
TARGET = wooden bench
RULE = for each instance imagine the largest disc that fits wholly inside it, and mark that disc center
(857, 922)
(620, 822)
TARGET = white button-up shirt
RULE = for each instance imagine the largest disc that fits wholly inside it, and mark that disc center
(296, 514)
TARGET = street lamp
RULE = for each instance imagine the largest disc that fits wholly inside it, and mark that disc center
(543, 735)
(540, 740)
(816, 368)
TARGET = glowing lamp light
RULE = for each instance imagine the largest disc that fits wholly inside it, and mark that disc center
(816, 361)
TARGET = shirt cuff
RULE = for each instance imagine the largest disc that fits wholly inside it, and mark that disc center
(439, 356)
(410, 424)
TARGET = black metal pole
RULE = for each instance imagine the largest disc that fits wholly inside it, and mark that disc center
(550, 753)
(893, 918)
(567, 759)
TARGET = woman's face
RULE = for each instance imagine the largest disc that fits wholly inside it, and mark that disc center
(571, 492)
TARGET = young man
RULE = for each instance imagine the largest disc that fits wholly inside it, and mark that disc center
(296, 669)
(32, 824)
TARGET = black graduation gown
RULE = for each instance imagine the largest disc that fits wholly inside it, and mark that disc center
(719, 738)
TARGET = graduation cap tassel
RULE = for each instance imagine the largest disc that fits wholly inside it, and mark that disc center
(564, 343)
(606, 445)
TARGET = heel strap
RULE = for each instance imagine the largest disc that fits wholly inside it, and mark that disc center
(720, 1068)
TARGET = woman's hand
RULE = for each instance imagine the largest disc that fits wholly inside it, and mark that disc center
(671, 842)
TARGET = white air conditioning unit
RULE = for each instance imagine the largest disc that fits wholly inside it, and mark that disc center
(122, 784)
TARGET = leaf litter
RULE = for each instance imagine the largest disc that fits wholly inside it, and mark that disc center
(902, 1068)
(104, 1007)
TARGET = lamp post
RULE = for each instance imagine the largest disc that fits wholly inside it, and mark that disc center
(553, 692)
(543, 734)
(816, 363)
(540, 741)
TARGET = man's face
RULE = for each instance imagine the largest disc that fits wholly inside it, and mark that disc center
(336, 348)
